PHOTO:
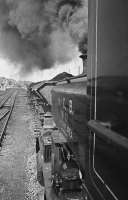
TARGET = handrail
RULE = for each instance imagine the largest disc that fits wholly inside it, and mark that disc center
(108, 134)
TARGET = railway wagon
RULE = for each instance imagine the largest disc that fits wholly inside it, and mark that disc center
(70, 107)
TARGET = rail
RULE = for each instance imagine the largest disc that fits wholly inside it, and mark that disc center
(3, 113)
(5, 98)
(7, 118)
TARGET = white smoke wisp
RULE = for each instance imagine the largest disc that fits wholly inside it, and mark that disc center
(64, 50)
(37, 34)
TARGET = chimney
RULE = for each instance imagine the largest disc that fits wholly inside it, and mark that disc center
(84, 59)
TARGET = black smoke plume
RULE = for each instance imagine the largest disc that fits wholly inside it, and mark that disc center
(39, 33)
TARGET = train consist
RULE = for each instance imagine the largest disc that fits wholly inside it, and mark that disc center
(90, 114)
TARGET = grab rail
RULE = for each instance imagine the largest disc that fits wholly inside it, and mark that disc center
(108, 134)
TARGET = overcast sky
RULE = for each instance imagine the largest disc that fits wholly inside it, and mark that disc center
(41, 38)
(9, 70)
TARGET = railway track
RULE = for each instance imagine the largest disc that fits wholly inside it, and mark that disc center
(4, 98)
(7, 102)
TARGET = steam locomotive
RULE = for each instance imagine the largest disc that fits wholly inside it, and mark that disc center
(91, 109)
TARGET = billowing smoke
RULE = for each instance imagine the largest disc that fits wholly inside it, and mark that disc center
(39, 33)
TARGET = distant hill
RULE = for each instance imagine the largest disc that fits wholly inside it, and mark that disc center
(62, 76)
